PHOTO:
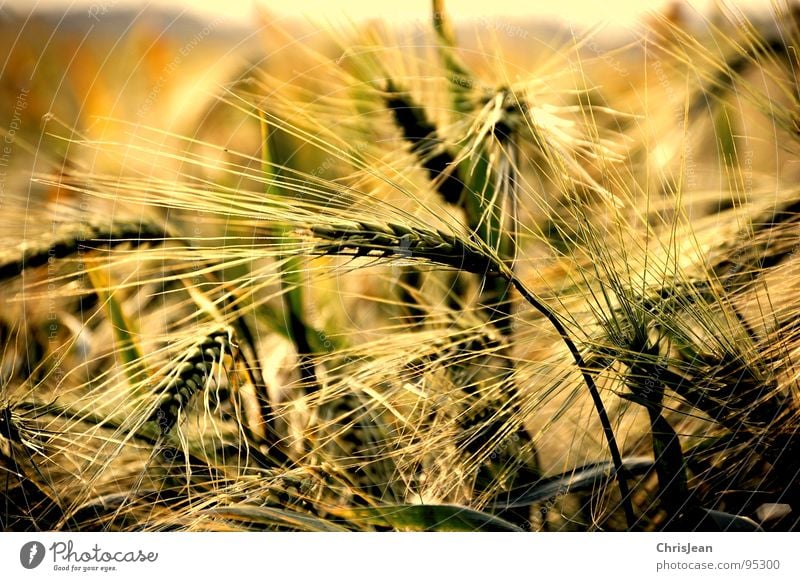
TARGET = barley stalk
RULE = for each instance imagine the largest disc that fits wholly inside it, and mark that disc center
(460, 76)
(594, 392)
(291, 269)
(487, 192)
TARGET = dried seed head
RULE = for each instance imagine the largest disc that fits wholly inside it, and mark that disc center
(406, 242)
(69, 239)
(192, 375)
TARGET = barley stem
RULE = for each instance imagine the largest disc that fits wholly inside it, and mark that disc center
(608, 431)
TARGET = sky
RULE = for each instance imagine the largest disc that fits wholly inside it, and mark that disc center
(617, 13)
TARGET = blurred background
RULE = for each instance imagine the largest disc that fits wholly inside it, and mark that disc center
(580, 12)
(70, 64)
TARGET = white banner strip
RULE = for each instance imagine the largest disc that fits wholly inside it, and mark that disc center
(398, 556)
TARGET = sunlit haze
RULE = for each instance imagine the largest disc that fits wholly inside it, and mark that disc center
(620, 13)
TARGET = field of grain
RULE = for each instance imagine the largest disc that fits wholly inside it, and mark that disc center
(446, 275)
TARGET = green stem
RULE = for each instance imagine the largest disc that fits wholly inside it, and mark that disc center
(608, 431)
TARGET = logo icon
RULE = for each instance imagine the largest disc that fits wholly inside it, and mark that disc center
(31, 554)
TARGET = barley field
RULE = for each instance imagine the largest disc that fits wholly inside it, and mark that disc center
(442, 275)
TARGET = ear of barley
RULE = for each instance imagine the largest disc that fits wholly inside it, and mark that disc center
(425, 143)
(191, 375)
(769, 240)
(404, 242)
(67, 240)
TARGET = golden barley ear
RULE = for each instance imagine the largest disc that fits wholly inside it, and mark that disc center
(69, 239)
(192, 373)
(425, 143)
(392, 240)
